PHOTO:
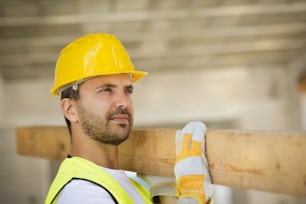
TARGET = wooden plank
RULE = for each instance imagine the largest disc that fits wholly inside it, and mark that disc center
(260, 160)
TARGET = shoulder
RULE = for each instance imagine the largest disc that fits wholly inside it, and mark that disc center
(82, 191)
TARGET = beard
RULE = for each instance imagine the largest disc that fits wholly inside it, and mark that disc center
(102, 129)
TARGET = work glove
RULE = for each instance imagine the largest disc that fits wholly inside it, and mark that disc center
(191, 167)
(160, 186)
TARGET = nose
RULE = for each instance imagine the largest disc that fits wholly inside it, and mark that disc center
(123, 100)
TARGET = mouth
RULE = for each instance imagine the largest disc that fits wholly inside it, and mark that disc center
(120, 118)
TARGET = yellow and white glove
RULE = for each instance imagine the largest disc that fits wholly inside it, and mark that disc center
(160, 186)
(191, 166)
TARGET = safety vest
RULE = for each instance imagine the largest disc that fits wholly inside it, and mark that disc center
(78, 168)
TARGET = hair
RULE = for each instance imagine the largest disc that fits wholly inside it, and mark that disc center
(73, 95)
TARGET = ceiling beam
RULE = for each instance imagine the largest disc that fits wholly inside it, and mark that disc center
(265, 32)
(146, 52)
(26, 70)
(147, 15)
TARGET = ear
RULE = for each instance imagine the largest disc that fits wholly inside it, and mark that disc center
(68, 107)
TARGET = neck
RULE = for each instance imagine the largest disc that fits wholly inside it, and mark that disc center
(105, 155)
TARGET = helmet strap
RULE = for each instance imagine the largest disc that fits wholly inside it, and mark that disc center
(74, 85)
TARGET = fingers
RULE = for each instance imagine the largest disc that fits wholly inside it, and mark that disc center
(196, 129)
(191, 137)
(187, 138)
(178, 142)
(183, 143)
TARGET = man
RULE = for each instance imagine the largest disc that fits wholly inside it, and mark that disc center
(94, 77)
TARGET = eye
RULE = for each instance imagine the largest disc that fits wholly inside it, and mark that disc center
(105, 90)
(129, 90)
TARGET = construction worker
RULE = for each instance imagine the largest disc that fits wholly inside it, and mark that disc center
(94, 77)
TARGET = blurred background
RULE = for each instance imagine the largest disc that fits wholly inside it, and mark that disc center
(234, 64)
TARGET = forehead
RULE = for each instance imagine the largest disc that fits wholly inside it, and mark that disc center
(116, 79)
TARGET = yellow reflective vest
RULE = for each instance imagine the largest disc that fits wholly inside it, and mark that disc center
(79, 168)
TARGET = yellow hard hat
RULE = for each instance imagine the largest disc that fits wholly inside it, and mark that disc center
(92, 55)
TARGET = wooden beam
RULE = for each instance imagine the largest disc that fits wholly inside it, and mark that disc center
(260, 160)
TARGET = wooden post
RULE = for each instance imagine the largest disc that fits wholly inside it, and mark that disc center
(260, 160)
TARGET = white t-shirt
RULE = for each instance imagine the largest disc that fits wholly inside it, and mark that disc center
(81, 191)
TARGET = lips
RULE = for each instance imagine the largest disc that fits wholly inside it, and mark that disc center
(120, 118)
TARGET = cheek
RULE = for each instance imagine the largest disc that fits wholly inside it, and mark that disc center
(102, 108)
(131, 107)
(131, 110)
(96, 107)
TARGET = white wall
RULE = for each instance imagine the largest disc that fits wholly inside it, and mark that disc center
(30, 103)
(255, 97)
(176, 97)
(24, 103)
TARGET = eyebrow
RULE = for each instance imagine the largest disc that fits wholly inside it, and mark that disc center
(130, 86)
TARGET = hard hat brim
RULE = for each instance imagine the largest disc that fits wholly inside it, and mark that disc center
(136, 76)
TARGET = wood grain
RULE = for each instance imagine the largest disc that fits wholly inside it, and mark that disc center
(260, 160)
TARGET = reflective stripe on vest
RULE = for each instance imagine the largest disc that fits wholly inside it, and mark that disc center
(78, 168)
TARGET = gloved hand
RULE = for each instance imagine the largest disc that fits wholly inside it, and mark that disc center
(191, 167)
(159, 186)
